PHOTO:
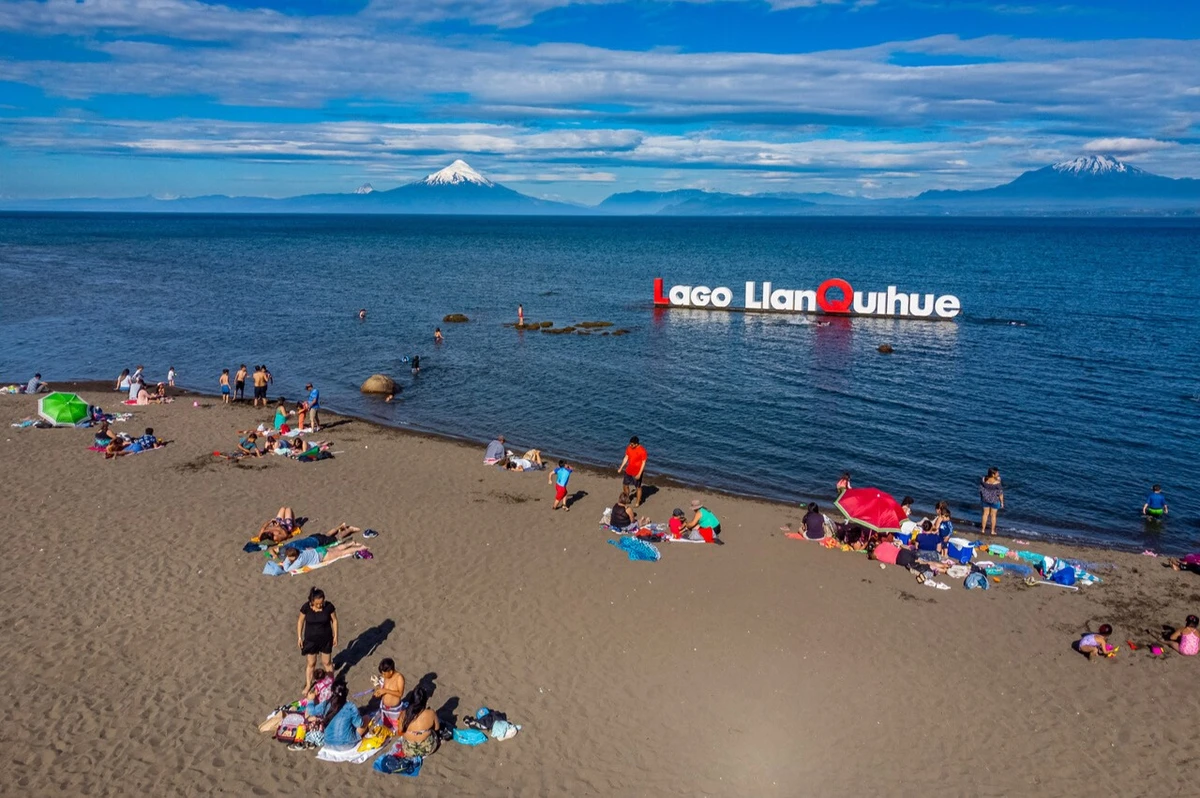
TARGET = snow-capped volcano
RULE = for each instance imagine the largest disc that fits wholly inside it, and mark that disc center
(456, 174)
(365, 188)
(1094, 165)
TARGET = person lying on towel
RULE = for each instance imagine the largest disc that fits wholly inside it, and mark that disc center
(296, 560)
(119, 446)
(273, 536)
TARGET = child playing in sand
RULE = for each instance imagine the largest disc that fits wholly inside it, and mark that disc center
(1092, 644)
(1186, 641)
(224, 381)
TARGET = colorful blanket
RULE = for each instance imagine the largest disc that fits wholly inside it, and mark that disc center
(638, 550)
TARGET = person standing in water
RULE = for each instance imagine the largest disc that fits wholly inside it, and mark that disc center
(171, 376)
(991, 494)
(260, 385)
(437, 335)
(1156, 503)
(362, 315)
(416, 365)
(520, 315)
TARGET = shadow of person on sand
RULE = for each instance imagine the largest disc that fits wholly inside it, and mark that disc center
(647, 492)
(362, 647)
(574, 498)
(334, 424)
(446, 713)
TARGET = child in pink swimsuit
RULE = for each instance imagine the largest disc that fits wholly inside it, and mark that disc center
(1187, 640)
(1096, 644)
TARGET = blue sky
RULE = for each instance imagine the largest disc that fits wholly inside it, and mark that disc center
(577, 99)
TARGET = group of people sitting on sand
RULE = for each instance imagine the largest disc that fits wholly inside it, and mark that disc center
(924, 543)
(702, 527)
(273, 443)
(497, 455)
(135, 386)
(334, 723)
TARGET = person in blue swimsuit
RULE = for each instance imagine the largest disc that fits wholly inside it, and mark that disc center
(1156, 503)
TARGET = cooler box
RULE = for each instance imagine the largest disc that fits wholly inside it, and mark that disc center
(902, 538)
(960, 549)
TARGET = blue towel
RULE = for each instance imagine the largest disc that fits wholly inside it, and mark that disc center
(405, 766)
(1016, 567)
(469, 737)
(637, 549)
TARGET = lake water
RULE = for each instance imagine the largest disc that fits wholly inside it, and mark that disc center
(1074, 367)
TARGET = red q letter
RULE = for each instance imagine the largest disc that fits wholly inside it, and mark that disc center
(830, 306)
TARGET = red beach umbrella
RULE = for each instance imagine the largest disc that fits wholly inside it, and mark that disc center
(872, 508)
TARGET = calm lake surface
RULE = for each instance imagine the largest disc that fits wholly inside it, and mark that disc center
(1074, 367)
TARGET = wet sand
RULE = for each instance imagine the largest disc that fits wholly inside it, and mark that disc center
(145, 646)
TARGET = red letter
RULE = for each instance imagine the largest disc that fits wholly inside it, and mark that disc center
(828, 305)
(659, 299)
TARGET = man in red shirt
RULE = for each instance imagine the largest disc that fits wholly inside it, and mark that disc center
(632, 466)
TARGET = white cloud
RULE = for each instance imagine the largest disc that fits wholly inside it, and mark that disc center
(847, 114)
(1127, 146)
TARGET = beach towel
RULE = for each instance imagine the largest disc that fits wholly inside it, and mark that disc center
(471, 737)
(1016, 568)
(255, 545)
(637, 549)
(347, 754)
(404, 765)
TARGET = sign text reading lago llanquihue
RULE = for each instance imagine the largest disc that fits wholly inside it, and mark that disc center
(889, 303)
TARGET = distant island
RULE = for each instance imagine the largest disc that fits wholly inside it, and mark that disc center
(1096, 185)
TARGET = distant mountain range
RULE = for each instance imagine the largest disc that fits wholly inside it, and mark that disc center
(1090, 185)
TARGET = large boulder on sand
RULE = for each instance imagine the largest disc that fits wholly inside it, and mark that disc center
(379, 383)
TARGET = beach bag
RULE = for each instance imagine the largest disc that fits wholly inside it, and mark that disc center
(1064, 576)
(976, 581)
(272, 722)
(291, 728)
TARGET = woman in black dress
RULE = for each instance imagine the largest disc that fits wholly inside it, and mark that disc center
(316, 633)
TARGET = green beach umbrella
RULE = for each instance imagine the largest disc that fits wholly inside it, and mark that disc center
(62, 409)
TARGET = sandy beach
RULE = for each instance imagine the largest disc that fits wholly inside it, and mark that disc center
(144, 646)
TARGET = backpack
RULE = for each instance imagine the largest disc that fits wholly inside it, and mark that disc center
(976, 581)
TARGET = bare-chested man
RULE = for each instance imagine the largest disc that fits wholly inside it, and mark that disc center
(390, 692)
(260, 385)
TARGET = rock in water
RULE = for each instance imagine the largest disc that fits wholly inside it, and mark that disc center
(454, 318)
(379, 383)
(886, 349)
